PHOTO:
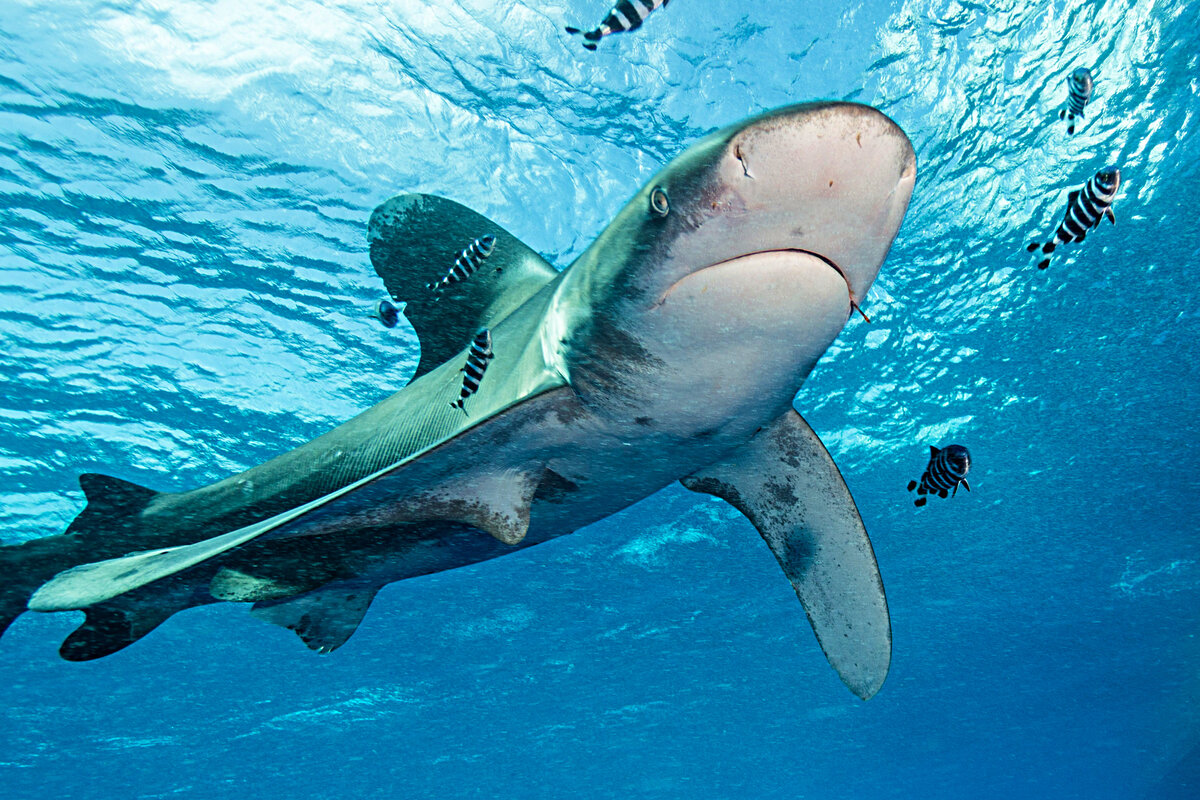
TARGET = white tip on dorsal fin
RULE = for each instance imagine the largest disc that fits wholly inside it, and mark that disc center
(324, 618)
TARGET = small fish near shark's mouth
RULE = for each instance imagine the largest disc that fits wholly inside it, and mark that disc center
(749, 270)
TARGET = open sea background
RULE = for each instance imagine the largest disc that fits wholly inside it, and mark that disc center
(185, 292)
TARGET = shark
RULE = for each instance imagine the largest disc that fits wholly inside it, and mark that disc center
(670, 350)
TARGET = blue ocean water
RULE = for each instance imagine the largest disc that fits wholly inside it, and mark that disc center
(185, 292)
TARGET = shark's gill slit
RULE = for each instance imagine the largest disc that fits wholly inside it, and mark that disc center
(737, 152)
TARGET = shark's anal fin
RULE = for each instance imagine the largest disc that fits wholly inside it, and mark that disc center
(324, 618)
(787, 485)
(415, 240)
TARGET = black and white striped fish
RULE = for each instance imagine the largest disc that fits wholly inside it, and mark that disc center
(1085, 209)
(947, 469)
(387, 313)
(1079, 91)
(626, 15)
(477, 364)
(468, 261)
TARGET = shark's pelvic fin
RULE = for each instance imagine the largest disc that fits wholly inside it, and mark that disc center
(495, 502)
(415, 239)
(324, 618)
(786, 483)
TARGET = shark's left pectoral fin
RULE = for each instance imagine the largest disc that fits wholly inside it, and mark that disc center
(438, 485)
(787, 485)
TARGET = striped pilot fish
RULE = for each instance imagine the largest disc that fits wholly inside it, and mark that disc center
(1085, 208)
(1079, 91)
(947, 469)
(477, 364)
(626, 15)
(468, 261)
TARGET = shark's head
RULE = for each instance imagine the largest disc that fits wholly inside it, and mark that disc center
(752, 246)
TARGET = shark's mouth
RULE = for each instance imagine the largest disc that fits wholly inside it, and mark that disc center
(745, 267)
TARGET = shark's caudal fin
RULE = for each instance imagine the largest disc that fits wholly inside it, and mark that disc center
(108, 526)
(325, 618)
(785, 482)
(415, 240)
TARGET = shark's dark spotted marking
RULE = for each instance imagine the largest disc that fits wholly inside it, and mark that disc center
(1085, 209)
(468, 261)
(477, 364)
(947, 469)
(626, 15)
(1079, 91)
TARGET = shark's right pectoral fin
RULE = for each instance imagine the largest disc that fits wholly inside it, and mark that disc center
(786, 483)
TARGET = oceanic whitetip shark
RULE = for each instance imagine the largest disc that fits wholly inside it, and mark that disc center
(671, 349)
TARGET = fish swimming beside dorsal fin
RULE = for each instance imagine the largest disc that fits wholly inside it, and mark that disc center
(414, 238)
(325, 618)
(787, 485)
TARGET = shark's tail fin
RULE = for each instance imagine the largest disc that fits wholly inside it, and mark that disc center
(107, 526)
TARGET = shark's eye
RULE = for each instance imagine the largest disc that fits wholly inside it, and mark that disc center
(658, 202)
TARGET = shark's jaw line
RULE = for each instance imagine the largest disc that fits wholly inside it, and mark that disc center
(746, 256)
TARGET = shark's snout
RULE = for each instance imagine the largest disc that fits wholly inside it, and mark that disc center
(830, 179)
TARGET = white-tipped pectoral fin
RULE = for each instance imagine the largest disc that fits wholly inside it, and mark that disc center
(786, 483)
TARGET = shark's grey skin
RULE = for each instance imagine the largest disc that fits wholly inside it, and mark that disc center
(671, 349)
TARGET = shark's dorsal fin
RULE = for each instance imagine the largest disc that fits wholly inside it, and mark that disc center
(786, 483)
(324, 618)
(415, 240)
